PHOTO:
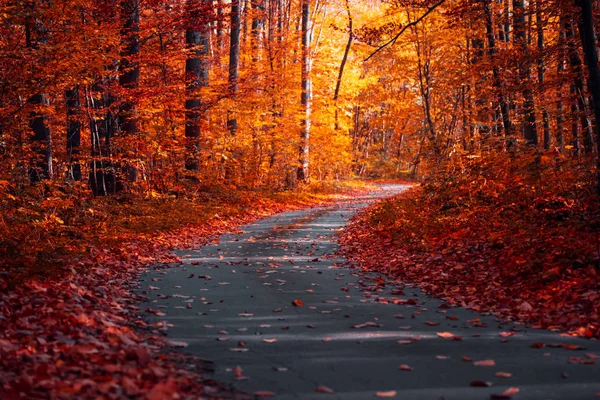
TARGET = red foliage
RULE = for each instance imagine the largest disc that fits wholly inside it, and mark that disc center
(518, 243)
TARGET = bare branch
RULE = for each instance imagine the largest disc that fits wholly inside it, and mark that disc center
(415, 22)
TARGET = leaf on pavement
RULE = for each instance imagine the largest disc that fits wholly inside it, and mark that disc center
(389, 393)
(324, 389)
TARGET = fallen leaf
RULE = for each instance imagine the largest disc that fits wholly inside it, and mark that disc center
(270, 340)
(481, 383)
(485, 363)
(445, 335)
(324, 389)
(506, 334)
(177, 343)
(431, 323)
(503, 374)
(389, 393)
(405, 367)
(298, 303)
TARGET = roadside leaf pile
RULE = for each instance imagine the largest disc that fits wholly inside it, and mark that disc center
(485, 232)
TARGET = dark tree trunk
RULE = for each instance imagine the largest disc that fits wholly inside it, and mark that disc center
(541, 67)
(234, 61)
(130, 75)
(41, 164)
(305, 100)
(529, 125)
(588, 38)
(504, 112)
(130, 70)
(577, 87)
(197, 75)
(560, 113)
(343, 63)
(41, 168)
(73, 133)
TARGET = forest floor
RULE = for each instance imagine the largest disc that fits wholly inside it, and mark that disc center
(70, 322)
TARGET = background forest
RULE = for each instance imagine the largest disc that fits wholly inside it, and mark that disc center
(170, 100)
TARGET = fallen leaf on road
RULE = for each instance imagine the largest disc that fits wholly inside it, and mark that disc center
(430, 323)
(442, 357)
(237, 371)
(366, 324)
(298, 303)
(277, 310)
(404, 341)
(445, 335)
(465, 358)
(485, 363)
(503, 374)
(405, 367)
(324, 389)
(507, 394)
(270, 340)
(177, 343)
(506, 334)
(389, 393)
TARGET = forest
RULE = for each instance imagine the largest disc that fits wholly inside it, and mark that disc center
(134, 127)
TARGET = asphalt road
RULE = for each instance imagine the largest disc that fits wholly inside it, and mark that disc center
(232, 303)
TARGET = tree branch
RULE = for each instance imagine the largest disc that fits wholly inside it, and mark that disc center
(415, 22)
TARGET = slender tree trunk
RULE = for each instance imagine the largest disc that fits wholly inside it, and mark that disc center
(129, 66)
(560, 113)
(577, 86)
(588, 38)
(41, 166)
(197, 76)
(234, 62)
(504, 112)
(73, 133)
(541, 69)
(343, 64)
(129, 77)
(529, 126)
(305, 100)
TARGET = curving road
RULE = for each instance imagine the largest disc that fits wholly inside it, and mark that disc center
(232, 303)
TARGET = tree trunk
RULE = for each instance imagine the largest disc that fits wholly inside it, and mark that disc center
(529, 125)
(541, 67)
(234, 62)
(489, 22)
(73, 133)
(41, 166)
(305, 100)
(197, 76)
(130, 76)
(130, 71)
(343, 64)
(588, 38)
